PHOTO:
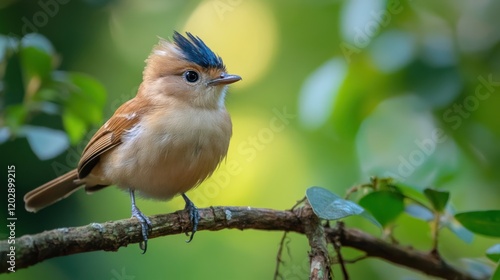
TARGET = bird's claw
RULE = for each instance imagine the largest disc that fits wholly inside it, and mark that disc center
(146, 227)
(194, 216)
(146, 224)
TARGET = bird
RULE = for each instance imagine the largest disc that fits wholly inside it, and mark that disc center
(163, 142)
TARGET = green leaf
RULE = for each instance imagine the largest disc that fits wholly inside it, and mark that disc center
(493, 253)
(438, 199)
(47, 94)
(413, 193)
(36, 54)
(329, 206)
(74, 126)
(87, 98)
(385, 206)
(14, 117)
(36, 62)
(481, 222)
(90, 87)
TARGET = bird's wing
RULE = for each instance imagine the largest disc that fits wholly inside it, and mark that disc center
(109, 136)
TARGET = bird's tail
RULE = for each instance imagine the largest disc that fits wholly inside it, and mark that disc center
(52, 191)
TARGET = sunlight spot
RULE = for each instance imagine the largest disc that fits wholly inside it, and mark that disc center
(243, 33)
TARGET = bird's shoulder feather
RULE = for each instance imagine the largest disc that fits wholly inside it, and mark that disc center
(110, 134)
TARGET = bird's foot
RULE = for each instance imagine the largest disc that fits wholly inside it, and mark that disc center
(194, 215)
(146, 224)
(146, 227)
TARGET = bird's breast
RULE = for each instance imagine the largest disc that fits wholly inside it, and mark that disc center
(169, 153)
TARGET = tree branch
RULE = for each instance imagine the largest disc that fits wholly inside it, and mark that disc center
(425, 262)
(318, 257)
(110, 236)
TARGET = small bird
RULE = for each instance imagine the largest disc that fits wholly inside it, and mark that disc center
(165, 141)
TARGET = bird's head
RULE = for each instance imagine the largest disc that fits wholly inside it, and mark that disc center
(186, 70)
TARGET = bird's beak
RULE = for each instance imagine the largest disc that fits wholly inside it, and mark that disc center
(224, 79)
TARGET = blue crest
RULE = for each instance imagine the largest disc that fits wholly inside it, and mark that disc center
(197, 52)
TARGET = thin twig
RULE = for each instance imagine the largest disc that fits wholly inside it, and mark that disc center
(356, 259)
(279, 260)
(435, 234)
(337, 245)
(298, 203)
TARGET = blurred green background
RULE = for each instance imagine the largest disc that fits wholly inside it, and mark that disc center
(333, 92)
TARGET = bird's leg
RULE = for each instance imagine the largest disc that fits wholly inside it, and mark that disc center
(194, 215)
(143, 219)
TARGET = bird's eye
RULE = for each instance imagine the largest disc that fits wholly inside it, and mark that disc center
(191, 76)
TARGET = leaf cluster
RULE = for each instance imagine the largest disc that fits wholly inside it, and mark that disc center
(383, 200)
(32, 90)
